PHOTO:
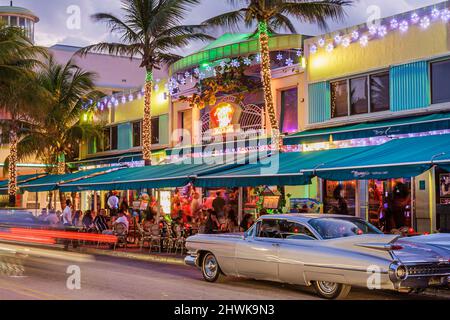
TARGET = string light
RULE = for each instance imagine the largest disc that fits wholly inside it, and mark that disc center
(404, 26)
(425, 22)
(346, 42)
(147, 121)
(381, 31)
(364, 41)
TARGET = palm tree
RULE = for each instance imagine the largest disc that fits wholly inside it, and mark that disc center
(151, 30)
(60, 127)
(18, 58)
(271, 16)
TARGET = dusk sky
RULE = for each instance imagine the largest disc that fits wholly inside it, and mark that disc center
(53, 27)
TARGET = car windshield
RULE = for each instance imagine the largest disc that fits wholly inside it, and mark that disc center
(332, 228)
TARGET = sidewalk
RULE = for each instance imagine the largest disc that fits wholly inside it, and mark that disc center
(133, 252)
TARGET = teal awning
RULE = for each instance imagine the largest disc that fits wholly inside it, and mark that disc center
(417, 124)
(399, 158)
(20, 179)
(279, 169)
(51, 182)
(162, 176)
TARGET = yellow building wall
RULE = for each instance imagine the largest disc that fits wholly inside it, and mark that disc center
(395, 48)
(134, 110)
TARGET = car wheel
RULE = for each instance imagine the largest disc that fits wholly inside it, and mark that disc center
(331, 290)
(210, 268)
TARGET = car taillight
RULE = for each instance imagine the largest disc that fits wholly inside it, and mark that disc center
(411, 230)
(395, 247)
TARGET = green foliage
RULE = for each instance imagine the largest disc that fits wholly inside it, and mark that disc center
(150, 30)
(228, 81)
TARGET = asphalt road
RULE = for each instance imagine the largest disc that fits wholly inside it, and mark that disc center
(43, 275)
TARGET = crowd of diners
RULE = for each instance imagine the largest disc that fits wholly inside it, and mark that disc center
(189, 215)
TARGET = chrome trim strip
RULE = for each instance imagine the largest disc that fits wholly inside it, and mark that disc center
(341, 268)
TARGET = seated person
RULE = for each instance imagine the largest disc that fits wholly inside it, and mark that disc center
(121, 219)
(87, 220)
(100, 221)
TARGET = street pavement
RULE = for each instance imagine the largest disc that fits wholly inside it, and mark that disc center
(43, 276)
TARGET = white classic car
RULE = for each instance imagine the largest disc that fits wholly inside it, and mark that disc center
(330, 252)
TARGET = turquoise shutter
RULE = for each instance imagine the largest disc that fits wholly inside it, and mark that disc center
(319, 102)
(410, 86)
(124, 135)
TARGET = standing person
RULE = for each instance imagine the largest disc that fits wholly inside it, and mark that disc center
(218, 204)
(342, 207)
(246, 222)
(124, 206)
(113, 204)
(196, 206)
(231, 221)
(67, 214)
(212, 223)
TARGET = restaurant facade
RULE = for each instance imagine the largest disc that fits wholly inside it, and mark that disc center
(364, 113)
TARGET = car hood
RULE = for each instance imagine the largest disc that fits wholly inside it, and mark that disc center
(424, 249)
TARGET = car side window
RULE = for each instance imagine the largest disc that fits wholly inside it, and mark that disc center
(253, 231)
(270, 228)
(293, 230)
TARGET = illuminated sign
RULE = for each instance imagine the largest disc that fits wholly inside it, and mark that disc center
(222, 117)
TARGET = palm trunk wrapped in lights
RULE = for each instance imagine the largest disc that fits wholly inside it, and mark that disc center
(147, 122)
(266, 75)
(12, 169)
(61, 167)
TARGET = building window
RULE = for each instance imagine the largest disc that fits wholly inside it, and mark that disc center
(339, 99)
(13, 21)
(365, 94)
(379, 92)
(155, 130)
(114, 138)
(289, 110)
(358, 96)
(137, 134)
(440, 72)
(110, 139)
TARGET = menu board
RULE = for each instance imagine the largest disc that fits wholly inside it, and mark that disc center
(271, 202)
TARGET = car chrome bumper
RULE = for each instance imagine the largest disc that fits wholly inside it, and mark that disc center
(191, 261)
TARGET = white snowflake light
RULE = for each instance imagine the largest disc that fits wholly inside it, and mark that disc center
(355, 35)
(373, 30)
(435, 13)
(321, 42)
(116, 104)
(156, 87)
(338, 39)
(247, 61)
(394, 24)
(223, 64)
(187, 74)
(258, 58)
(235, 63)
(404, 26)
(445, 15)
(364, 41)
(425, 22)
(382, 31)
(299, 52)
(130, 97)
(346, 42)
(289, 62)
(415, 18)
(330, 47)
(208, 68)
(197, 71)
(313, 49)
(279, 57)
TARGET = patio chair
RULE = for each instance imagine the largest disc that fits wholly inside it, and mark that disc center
(155, 238)
(143, 236)
(121, 232)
